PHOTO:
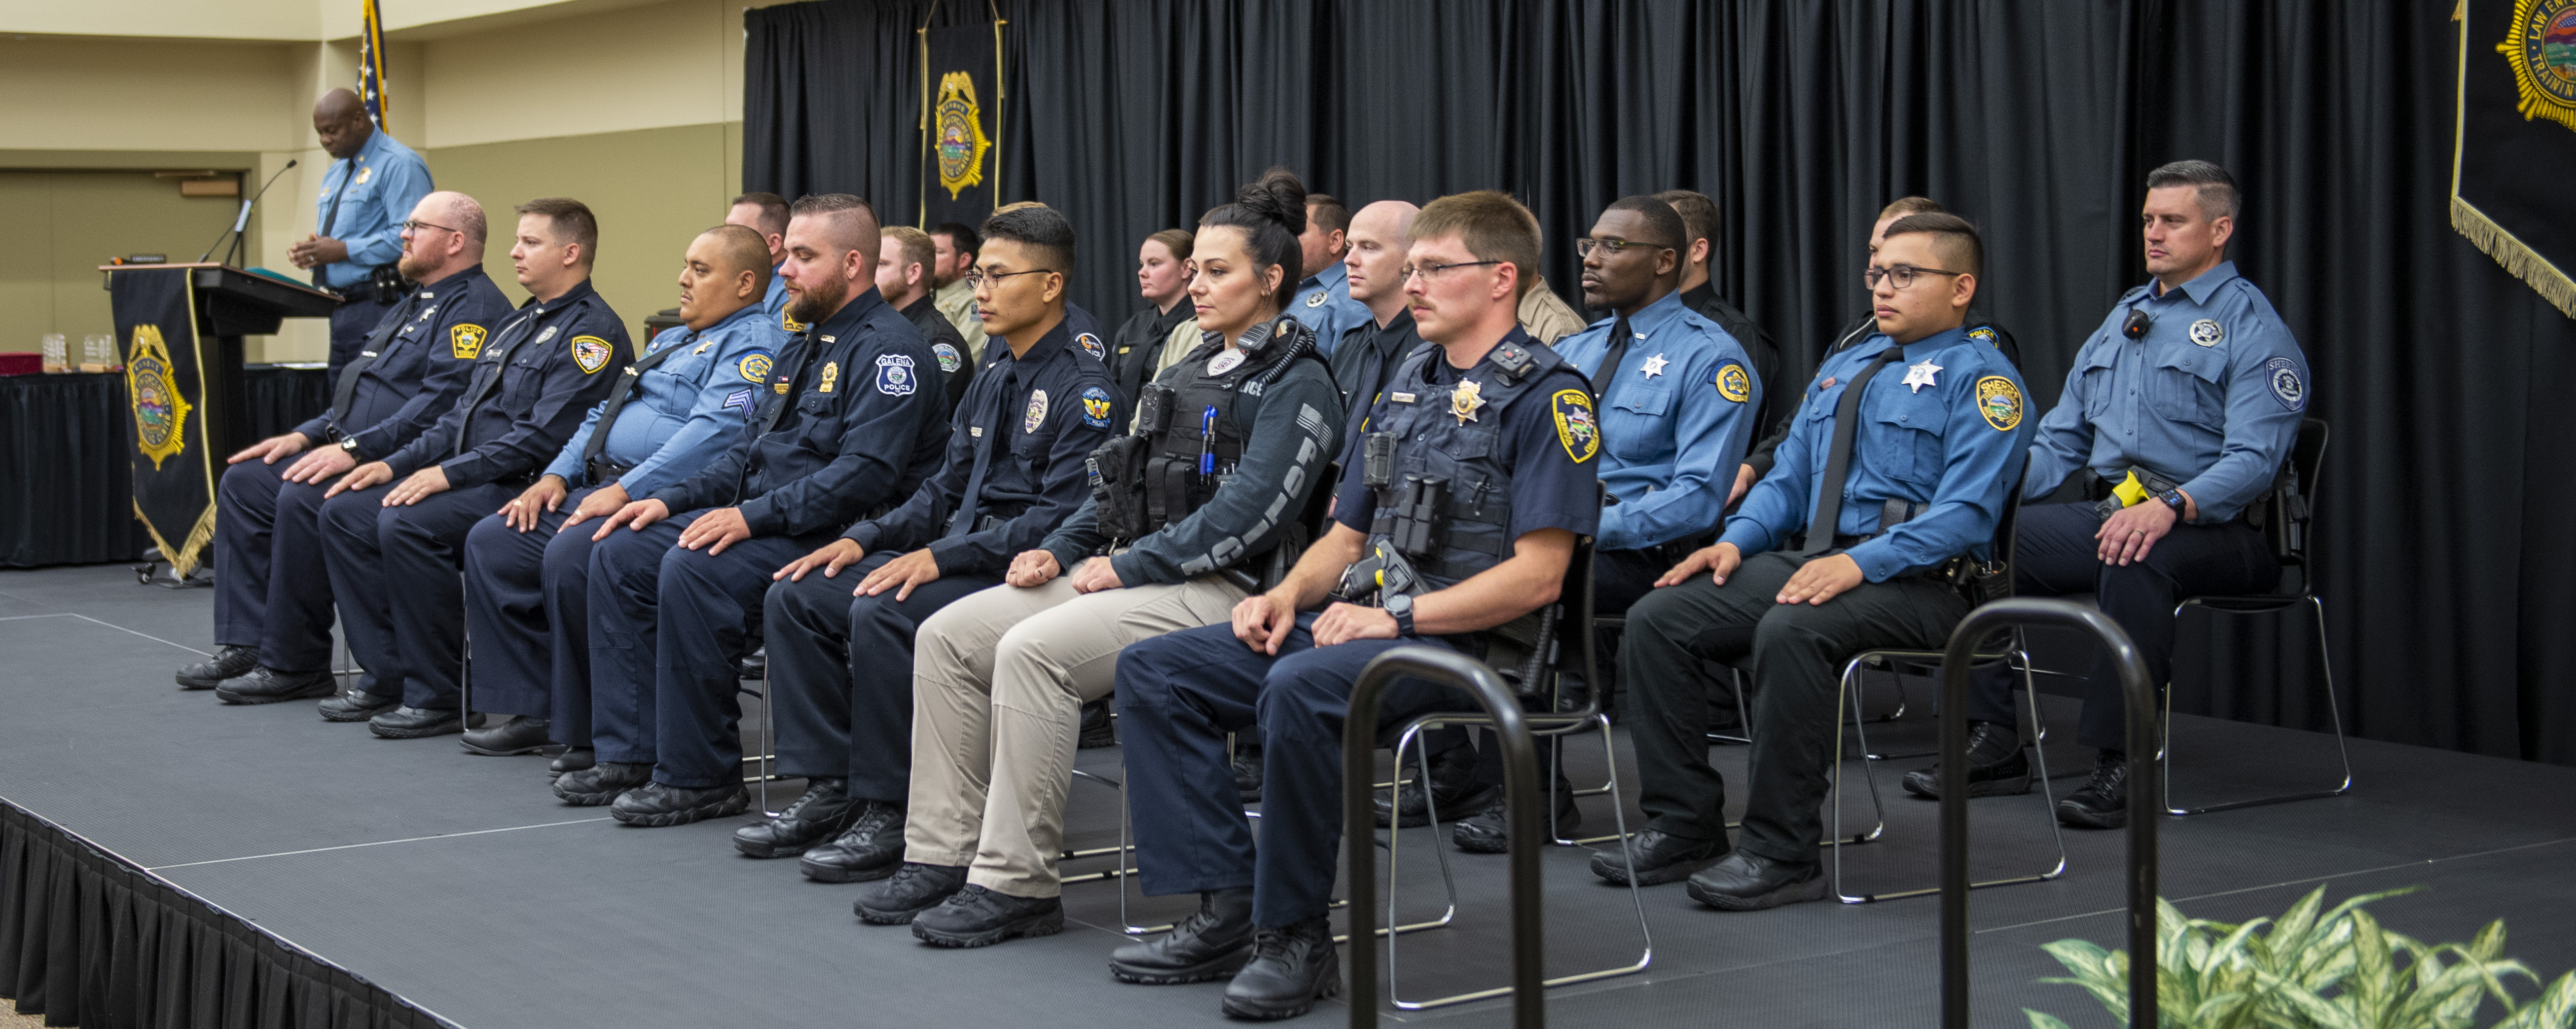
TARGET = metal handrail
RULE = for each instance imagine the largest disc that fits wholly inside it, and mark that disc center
(1521, 802)
(2145, 796)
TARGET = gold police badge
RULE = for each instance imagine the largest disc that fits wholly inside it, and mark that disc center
(2542, 49)
(1464, 400)
(160, 412)
(960, 141)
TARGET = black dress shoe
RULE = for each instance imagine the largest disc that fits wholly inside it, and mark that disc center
(601, 783)
(227, 662)
(978, 917)
(356, 706)
(913, 889)
(265, 685)
(1210, 944)
(573, 759)
(1451, 782)
(412, 723)
(825, 811)
(1997, 766)
(1489, 832)
(1291, 969)
(2103, 803)
(1750, 882)
(1097, 729)
(519, 734)
(867, 851)
(654, 804)
(1659, 858)
(1247, 770)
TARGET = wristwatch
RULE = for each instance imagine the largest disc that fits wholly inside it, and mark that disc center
(350, 445)
(2173, 499)
(1401, 606)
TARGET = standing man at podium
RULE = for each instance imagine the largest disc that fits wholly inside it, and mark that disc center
(357, 229)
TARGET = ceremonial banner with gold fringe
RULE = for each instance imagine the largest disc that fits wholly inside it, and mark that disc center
(2510, 186)
(961, 123)
(174, 476)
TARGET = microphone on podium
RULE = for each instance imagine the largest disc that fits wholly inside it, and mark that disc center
(242, 220)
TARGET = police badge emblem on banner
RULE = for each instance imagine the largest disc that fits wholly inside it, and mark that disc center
(174, 483)
(961, 121)
(2517, 138)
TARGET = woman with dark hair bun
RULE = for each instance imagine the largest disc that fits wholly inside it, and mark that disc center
(1163, 279)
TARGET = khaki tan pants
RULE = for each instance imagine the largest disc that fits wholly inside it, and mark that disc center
(999, 680)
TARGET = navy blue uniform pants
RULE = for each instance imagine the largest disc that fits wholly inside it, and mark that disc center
(527, 602)
(350, 324)
(1179, 694)
(840, 674)
(2055, 554)
(270, 588)
(669, 629)
(396, 572)
(1798, 651)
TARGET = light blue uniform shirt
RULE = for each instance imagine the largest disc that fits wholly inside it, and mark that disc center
(1953, 445)
(2210, 398)
(377, 189)
(1324, 303)
(1675, 424)
(692, 406)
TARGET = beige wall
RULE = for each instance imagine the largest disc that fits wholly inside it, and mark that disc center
(64, 224)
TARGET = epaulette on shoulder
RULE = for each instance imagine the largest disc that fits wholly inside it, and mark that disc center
(1513, 360)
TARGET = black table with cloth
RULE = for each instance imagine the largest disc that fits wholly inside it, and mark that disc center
(66, 485)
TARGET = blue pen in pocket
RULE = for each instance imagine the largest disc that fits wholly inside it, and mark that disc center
(1207, 441)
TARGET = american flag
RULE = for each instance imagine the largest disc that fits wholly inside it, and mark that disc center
(371, 64)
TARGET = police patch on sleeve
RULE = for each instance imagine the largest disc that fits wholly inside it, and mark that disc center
(2282, 374)
(1983, 335)
(740, 400)
(1091, 345)
(947, 355)
(788, 322)
(2000, 401)
(895, 376)
(465, 340)
(590, 352)
(2208, 333)
(756, 365)
(1576, 427)
(1732, 383)
(1095, 407)
(1037, 411)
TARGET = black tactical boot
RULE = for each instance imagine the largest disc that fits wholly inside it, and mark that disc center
(573, 759)
(228, 661)
(825, 811)
(1452, 782)
(867, 851)
(356, 705)
(1997, 765)
(654, 805)
(1097, 729)
(1489, 832)
(1292, 967)
(1750, 882)
(601, 783)
(265, 685)
(412, 723)
(2103, 803)
(1659, 858)
(1211, 944)
(1247, 770)
(911, 890)
(517, 734)
(978, 917)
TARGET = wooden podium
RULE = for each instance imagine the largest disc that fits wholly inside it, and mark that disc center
(231, 303)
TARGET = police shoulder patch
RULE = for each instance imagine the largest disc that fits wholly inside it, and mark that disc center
(1091, 345)
(947, 355)
(755, 365)
(1576, 426)
(465, 340)
(590, 352)
(895, 375)
(788, 322)
(1732, 383)
(1095, 407)
(2282, 374)
(2000, 402)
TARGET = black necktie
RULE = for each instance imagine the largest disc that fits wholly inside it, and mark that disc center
(1619, 336)
(331, 218)
(968, 502)
(1829, 497)
(368, 353)
(616, 401)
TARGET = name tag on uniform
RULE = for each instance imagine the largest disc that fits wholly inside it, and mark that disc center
(976, 431)
(1401, 398)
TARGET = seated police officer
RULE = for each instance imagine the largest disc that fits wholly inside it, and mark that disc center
(1370, 350)
(1457, 513)
(844, 426)
(2183, 406)
(1324, 300)
(527, 589)
(1699, 292)
(1163, 280)
(1757, 460)
(1903, 453)
(1226, 449)
(1679, 401)
(272, 614)
(840, 669)
(394, 561)
(903, 278)
(766, 213)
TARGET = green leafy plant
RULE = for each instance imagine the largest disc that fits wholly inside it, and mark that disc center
(2313, 968)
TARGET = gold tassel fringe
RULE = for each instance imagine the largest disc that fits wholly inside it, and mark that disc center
(2552, 284)
(183, 558)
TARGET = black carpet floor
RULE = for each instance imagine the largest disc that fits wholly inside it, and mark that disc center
(462, 884)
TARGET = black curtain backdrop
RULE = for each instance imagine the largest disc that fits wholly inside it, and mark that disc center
(2444, 582)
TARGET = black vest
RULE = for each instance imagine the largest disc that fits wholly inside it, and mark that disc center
(1186, 441)
(1431, 441)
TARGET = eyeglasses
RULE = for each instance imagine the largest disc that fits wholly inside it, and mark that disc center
(1429, 272)
(1584, 247)
(416, 225)
(977, 277)
(1903, 275)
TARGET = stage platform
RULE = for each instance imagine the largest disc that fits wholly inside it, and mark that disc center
(462, 885)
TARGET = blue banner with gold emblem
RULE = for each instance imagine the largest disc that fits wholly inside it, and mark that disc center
(165, 392)
(2517, 139)
(961, 123)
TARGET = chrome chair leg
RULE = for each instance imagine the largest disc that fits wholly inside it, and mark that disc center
(1850, 695)
(2334, 713)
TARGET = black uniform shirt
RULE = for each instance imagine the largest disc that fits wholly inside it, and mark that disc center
(948, 347)
(536, 378)
(1368, 355)
(1137, 352)
(413, 366)
(844, 428)
(1031, 422)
